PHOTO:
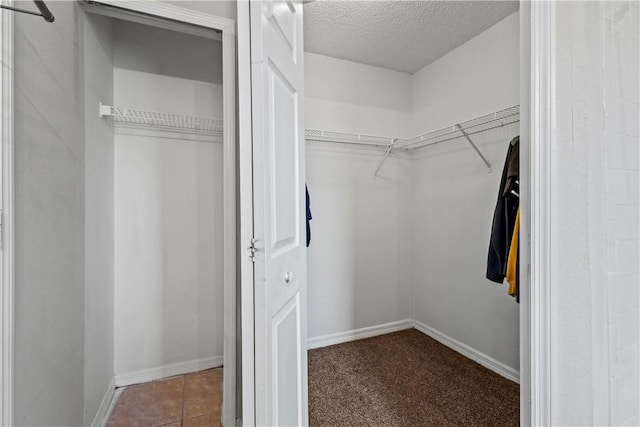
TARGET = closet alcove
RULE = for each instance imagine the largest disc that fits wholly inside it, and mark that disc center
(403, 169)
(154, 194)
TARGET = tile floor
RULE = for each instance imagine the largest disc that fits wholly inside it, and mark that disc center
(192, 400)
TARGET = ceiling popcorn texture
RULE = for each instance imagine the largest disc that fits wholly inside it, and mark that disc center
(398, 35)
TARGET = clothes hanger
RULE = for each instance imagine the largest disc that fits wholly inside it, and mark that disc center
(514, 191)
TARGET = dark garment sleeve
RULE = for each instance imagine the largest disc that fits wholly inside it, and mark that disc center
(309, 217)
(503, 222)
(513, 167)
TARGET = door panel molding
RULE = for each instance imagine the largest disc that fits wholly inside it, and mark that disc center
(291, 308)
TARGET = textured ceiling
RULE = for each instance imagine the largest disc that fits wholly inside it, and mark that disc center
(398, 35)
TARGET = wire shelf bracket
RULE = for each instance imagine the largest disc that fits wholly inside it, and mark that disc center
(43, 10)
(384, 157)
(475, 147)
(166, 121)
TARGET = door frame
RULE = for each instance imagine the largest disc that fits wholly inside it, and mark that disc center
(245, 165)
(227, 27)
(537, 89)
(7, 282)
(164, 11)
(538, 43)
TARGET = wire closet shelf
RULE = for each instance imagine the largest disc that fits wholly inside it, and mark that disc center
(315, 135)
(167, 121)
(471, 127)
(463, 130)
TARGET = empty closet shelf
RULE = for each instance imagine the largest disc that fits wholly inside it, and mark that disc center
(474, 126)
(456, 131)
(159, 120)
(316, 135)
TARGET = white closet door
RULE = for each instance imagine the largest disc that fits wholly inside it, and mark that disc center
(279, 213)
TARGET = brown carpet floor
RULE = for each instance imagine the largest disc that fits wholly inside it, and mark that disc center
(406, 379)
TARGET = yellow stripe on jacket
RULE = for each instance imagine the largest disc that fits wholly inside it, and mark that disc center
(513, 257)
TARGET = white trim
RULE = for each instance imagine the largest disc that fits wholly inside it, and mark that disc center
(230, 198)
(129, 15)
(227, 26)
(524, 248)
(542, 129)
(166, 371)
(469, 352)
(114, 400)
(176, 13)
(103, 410)
(7, 263)
(246, 214)
(358, 334)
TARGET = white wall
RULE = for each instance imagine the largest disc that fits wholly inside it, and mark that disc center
(453, 203)
(477, 77)
(345, 96)
(621, 79)
(454, 196)
(49, 219)
(358, 259)
(358, 262)
(168, 225)
(99, 251)
(595, 215)
(168, 252)
(159, 51)
(392, 248)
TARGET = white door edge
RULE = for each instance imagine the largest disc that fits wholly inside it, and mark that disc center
(246, 213)
(7, 220)
(537, 230)
(524, 251)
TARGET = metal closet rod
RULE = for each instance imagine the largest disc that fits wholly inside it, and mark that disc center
(44, 10)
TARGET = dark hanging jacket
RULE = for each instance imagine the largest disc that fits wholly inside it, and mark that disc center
(309, 217)
(504, 215)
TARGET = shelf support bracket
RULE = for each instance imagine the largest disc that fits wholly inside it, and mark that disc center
(105, 110)
(387, 151)
(466, 135)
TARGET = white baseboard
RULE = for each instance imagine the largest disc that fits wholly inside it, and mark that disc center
(168, 371)
(469, 352)
(358, 334)
(103, 410)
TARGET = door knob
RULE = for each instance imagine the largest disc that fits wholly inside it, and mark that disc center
(288, 276)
